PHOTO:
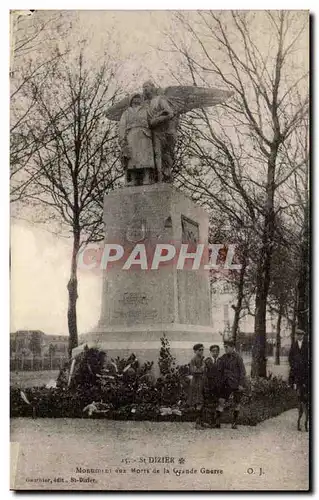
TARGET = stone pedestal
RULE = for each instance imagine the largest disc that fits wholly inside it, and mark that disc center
(139, 306)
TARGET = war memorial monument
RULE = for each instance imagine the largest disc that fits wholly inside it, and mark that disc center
(142, 303)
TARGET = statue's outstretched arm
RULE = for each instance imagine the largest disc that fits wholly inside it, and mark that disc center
(166, 112)
(162, 118)
(115, 112)
(122, 129)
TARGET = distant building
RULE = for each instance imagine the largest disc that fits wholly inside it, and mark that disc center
(35, 350)
(58, 344)
(223, 300)
(26, 342)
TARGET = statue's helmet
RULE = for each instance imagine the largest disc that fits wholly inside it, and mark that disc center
(149, 88)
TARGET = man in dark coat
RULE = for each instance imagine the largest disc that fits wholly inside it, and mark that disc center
(211, 387)
(233, 381)
(299, 361)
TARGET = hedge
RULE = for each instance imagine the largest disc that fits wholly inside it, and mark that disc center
(125, 390)
(268, 399)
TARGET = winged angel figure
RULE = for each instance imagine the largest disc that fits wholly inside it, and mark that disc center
(148, 127)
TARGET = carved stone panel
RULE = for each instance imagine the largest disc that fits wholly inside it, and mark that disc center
(190, 230)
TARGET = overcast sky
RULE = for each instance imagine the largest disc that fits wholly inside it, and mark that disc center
(40, 261)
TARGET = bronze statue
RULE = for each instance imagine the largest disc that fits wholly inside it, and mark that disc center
(152, 123)
(135, 139)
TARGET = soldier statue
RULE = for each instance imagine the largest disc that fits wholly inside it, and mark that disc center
(148, 125)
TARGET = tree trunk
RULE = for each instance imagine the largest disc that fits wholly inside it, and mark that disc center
(240, 296)
(303, 282)
(278, 336)
(259, 361)
(294, 317)
(258, 365)
(73, 296)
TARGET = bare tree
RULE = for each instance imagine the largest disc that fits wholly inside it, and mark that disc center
(37, 45)
(252, 54)
(283, 276)
(75, 162)
(296, 205)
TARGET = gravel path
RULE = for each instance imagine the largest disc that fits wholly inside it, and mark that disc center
(50, 449)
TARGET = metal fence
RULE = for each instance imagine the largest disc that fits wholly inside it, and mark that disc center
(37, 363)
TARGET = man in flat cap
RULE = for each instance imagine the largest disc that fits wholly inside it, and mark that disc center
(299, 361)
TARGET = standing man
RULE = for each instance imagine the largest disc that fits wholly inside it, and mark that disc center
(195, 395)
(163, 124)
(299, 361)
(233, 381)
(211, 387)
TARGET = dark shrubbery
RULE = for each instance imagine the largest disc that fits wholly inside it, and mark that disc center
(124, 390)
(145, 404)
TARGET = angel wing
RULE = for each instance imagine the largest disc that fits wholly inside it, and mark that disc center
(186, 98)
(182, 99)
